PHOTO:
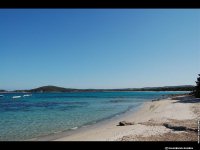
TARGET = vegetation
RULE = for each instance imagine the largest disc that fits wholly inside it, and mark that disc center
(165, 88)
(197, 88)
(52, 89)
(61, 89)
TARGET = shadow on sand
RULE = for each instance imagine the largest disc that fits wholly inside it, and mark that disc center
(186, 99)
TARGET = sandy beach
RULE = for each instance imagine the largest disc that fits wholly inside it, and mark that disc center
(171, 119)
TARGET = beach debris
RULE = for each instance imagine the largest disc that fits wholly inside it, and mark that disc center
(125, 123)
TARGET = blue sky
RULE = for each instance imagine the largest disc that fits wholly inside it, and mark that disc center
(98, 48)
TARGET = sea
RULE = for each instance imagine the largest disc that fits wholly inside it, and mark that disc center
(42, 114)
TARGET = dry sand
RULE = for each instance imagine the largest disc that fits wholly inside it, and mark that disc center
(171, 119)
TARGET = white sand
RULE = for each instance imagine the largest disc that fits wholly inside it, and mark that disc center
(159, 111)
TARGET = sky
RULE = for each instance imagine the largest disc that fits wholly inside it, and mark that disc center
(99, 48)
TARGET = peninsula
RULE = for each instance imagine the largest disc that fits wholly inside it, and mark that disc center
(62, 89)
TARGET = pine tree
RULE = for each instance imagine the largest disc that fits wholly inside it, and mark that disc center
(197, 88)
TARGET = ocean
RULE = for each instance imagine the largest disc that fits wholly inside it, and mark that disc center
(42, 114)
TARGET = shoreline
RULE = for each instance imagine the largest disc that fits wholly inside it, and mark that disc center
(87, 126)
(149, 119)
(152, 122)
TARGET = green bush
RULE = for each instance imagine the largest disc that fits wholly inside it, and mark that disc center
(197, 88)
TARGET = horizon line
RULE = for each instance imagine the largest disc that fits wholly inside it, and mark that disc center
(98, 88)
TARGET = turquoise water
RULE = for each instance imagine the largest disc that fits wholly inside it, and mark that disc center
(42, 114)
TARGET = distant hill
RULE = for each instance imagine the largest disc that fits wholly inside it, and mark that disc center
(52, 89)
(61, 89)
(3, 91)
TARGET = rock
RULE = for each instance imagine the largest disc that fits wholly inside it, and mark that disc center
(155, 100)
(178, 128)
(125, 123)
